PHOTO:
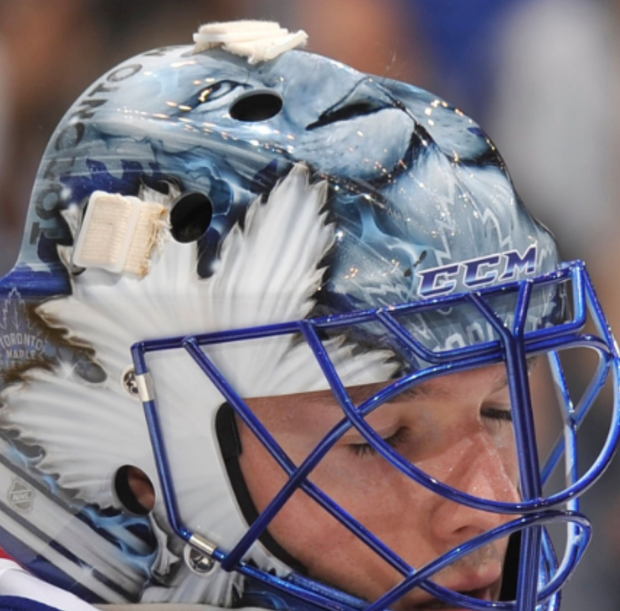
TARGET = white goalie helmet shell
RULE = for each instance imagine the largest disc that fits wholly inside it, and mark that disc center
(190, 191)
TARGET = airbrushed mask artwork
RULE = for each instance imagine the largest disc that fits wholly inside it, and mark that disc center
(244, 259)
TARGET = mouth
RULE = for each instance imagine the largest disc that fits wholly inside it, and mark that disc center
(486, 588)
(433, 604)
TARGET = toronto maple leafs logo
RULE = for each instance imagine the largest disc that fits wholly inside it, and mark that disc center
(22, 341)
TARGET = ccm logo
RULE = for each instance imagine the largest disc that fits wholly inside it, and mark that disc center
(476, 272)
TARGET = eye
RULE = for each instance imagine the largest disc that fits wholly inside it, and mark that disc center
(215, 91)
(210, 95)
(365, 449)
(256, 106)
(498, 414)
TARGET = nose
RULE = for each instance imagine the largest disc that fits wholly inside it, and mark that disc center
(475, 467)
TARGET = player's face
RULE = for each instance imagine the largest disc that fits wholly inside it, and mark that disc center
(456, 428)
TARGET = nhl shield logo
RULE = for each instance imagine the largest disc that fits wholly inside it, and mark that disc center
(20, 495)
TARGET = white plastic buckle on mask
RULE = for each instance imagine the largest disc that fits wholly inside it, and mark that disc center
(256, 40)
(119, 233)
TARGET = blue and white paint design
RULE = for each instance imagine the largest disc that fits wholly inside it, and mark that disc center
(360, 192)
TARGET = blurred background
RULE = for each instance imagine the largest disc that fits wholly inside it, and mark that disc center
(541, 77)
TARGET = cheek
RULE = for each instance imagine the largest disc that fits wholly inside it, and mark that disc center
(373, 492)
(262, 474)
(375, 495)
(507, 453)
(301, 526)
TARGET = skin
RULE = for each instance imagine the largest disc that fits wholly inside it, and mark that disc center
(456, 428)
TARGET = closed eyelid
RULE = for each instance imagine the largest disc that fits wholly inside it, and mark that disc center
(497, 413)
(353, 436)
(363, 448)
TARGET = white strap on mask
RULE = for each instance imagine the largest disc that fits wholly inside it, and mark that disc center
(119, 233)
(257, 40)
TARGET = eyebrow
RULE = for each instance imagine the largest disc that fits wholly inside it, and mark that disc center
(362, 393)
(531, 362)
(359, 394)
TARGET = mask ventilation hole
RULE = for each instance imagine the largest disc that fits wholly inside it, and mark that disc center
(134, 490)
(256, 106)
(190, 216)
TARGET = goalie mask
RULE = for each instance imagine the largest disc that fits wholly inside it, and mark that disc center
(282, 335)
